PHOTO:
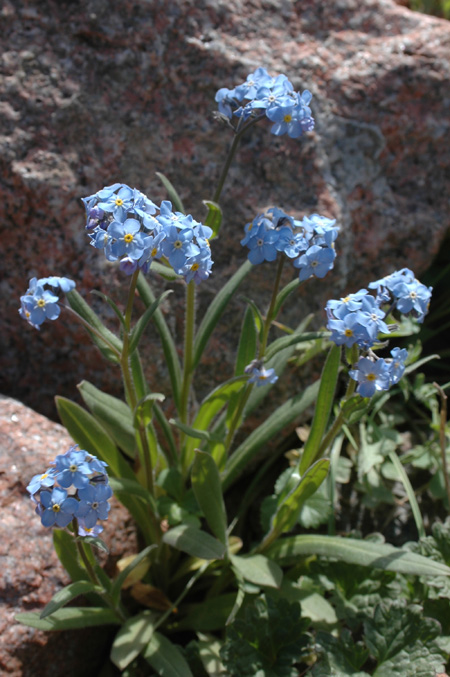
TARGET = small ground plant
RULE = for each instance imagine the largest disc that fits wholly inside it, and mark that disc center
(203, 596)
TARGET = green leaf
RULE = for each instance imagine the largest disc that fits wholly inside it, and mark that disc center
(70, 619)
(166, 271)
(281, 418)
(353, 551)
(113, 414)
(208, 492)
(132, 638)
(195, 542)
(283, 295)
(166, 658)
(111, 304)
(258, 569)
(145, 319)
(293, 340)
(168, 344)
(96, 542)
(67, 553)
(288, 511)
(111, 346)
(208, 616)
(92, 437)
(172, 193)
(191, 432)
(247, 343)
(214, 217)
(118, 583)
(67, 594)
(322, 411)
(210, 408)
(215, 310)
(340, 656)
(132, 488)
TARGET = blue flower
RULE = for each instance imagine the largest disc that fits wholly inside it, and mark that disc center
(46, 480)
(72, 468)
(262, 376)
(198, 268)
(40, 306)
(316, 261)
(127, 239)
(262, 245)
(58, 509)
(94, 503)
(83, 530)
(371, 376)
(178, 246)
(348, 331)
(397, 366)
(117, 203)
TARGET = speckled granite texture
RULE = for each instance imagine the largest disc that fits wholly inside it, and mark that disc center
(94, 92)
(30, 572)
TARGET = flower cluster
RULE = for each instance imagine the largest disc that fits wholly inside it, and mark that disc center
(309, 242)
(131, 229)
(85, 476)
(40, 302)
(359, 319)
(274, 97)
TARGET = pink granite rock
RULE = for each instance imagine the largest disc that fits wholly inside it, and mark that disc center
(30, 572)
(93, 94)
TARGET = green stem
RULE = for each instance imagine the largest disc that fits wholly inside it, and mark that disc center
(180, 598)
(81, 547)
(270, 313)
(92, 329)
(338, 422)
(188, 351)
(231, 153)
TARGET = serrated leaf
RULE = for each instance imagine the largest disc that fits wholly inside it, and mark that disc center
(70, 619)
(353, 551)
(208, 492)
(132, 638)
(67, 594)
(113, 414)
(195, 542)
(166, 658)
(258, 569)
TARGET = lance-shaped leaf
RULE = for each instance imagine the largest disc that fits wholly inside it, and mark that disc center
(121, 578)
(213, 218)
(323, 408)
(114, 307)
(71, 618)
(215, 310)
(132, 638)
(67, 594)
(90, 435)
(111, 345)
(171, 192)
(166, 271)
(166, 658)
(168, 344)
(208, 492)
(353, 551)
(287, 512)
(283, 295)
(144, 320)
(293, 340)
(258, 439)
(195, 542)
(113, 414)
(258, 569)
(247, 343)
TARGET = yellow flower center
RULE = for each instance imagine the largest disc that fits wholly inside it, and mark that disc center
(348, 332)
(195, 266)
(154, 251)
(56, 508)
(119, 202)
(128, 238)
(371, 377)
(287, 118)
(177, 244)
(73, 467)
(41, 303)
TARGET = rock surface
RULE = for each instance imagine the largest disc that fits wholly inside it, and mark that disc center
(30, 572)
(93, 94)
